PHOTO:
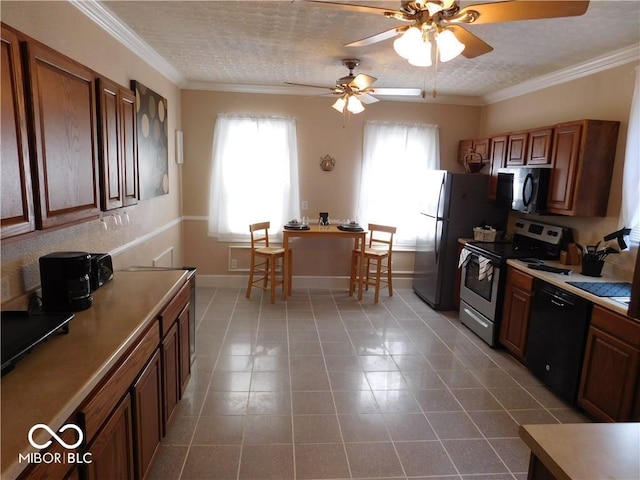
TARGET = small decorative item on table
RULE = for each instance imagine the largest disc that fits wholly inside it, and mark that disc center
(323, 218)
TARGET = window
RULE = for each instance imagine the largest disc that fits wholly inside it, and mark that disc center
(254, 175)
(630, 210)
(395, 159)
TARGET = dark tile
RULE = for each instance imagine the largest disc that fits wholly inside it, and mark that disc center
(361, 401)
(219, 430)
(476, 399)
(214, 462)
(266, 462)
(453, 425)
(436, 400)
(424, 459)
(309, 381)
(315, 461)
(408, 427)
(312, 403)
(495, 424)
(168, 463)
(396, 401)
(269, 403)
(474, 456)
(316, 429)
(373, 460)
(349, 381)
(364, 427)
(267, 429)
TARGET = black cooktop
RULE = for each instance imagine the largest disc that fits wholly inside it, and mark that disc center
(502, 251)
(22, 331)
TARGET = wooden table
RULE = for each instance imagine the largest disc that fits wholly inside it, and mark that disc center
(319, 231)
(583, 451)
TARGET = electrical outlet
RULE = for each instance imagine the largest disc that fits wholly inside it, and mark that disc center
(6, 289)
(305, 205)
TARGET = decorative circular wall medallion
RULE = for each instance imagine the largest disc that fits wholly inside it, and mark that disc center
(327, 163)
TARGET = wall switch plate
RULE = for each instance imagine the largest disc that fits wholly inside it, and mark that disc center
(234, 264)
(305, 205)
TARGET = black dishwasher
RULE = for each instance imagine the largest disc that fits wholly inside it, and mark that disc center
(557, 336)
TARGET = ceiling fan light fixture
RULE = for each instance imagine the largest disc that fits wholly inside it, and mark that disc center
(354, 105)
(421, 54)
(340, 104)
(449, 47)
(406, 44)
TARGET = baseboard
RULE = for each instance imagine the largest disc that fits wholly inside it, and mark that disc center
(235, 281)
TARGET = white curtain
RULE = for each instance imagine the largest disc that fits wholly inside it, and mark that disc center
(254, 175)
(630, 209)
(395, 159)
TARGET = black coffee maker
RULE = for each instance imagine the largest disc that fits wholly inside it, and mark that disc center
(64, 278)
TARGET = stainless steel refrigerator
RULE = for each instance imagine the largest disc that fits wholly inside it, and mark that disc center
(452, 205)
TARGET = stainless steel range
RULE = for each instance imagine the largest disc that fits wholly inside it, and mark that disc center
(484, 272)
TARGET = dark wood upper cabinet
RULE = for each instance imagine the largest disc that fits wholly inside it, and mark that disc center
(64, 150)
(17, 196)
(517, 149)
(118, 164)
(497, 159)
(582, 160)
(539, 149)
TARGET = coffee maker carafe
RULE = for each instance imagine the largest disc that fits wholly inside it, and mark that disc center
(64, 278)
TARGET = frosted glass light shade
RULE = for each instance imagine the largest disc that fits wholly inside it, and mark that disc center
(421, 55)
(354, 105)
(340, 104)
(448, 45)
(406, 44)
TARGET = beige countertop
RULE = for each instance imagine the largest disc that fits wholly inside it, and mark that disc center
(586, 451)
(561, 280)
(48, 385)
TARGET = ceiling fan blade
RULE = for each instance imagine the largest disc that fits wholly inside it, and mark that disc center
(389, 13)
(366, 98)
(406, 92)
(362, 81)
(473, 46)
(311, 86)
(515, 10)
(378, 37)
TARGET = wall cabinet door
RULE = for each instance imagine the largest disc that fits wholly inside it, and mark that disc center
(147, 405)
(497, 158)
(539, 149)
(118, 165)
(112, 448)
(516, 313)
(65, 153)
(17, 196)
(582, 160)
(517, 149)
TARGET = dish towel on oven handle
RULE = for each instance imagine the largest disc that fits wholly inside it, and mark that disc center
(485, 269)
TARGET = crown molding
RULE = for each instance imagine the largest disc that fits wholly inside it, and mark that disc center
(114, 26)
(595, 65)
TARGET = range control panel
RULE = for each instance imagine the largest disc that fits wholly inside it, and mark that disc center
(544, 232)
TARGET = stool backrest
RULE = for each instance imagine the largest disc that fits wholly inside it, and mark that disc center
(259, 234)
(381, 235)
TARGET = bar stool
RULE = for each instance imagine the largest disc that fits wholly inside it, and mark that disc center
(264, 261)
(378, 250)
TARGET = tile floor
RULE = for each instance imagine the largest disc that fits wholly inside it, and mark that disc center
(326, 387)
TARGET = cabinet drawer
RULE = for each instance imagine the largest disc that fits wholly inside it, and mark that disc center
(171, 312)
(617, 325)
(519, 279)
(102, 402)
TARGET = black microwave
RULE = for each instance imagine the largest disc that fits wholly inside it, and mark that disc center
(525, 189)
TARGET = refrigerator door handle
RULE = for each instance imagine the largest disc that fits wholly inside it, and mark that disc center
(438, 219)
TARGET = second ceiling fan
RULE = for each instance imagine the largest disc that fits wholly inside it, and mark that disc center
(354, 90)
(440, 22)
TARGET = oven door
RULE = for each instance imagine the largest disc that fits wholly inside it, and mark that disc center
(478, 290)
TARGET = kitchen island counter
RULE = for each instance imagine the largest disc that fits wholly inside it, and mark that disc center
(583, 451)
(48, 385)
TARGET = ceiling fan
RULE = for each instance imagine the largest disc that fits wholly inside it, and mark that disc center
(354, 90)
(441, 22)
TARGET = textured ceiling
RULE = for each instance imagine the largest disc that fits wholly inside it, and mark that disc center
(258, 44)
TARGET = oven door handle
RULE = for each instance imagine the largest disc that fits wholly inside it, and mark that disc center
(495, 263)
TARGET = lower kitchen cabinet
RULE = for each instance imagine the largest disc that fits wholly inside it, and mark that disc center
(147, 405)
(170, 369)
(609, 387)
(112, 448)
(516, 312)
